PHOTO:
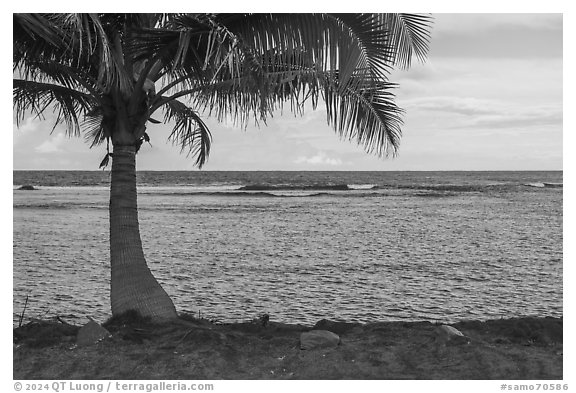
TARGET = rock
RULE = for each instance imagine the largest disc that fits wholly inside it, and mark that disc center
(91, 333)
(446, 334)
(537, 185)
(264, 319)
(27, 187)
(335, 326)
(315, 339)
(554, 185)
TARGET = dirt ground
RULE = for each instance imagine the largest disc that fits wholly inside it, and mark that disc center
(192, 349)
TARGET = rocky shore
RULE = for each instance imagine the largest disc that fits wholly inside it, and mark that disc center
(192, 349)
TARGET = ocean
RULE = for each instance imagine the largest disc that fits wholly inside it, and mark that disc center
(300, 246)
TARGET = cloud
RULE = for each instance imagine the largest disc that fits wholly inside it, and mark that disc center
(29, 124)
(519, 120)
(321, 158)
(52, 145)
(477, 22)
(463, 106)
(497, 36)
(468, 112)
(26, 127)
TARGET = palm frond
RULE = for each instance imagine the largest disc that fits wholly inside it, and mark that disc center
(180, 46)
(189, 132)
(256, 98)
(366, 113)
(36, 97)
(93, 126)
(36, 27)
(410, 35)
(84, 41)
(58, 74)
(243, 66)
(330, 42)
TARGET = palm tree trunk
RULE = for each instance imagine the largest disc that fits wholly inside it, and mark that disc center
(133, 287)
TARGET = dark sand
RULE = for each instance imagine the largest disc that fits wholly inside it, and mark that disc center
(192, 349)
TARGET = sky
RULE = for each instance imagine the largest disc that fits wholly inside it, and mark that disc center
(488, 97)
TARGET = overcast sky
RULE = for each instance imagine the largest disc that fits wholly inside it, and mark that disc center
(489, 97)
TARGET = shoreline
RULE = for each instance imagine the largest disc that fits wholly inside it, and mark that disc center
(190, 348)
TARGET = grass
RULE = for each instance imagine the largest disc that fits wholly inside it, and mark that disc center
(194, 348)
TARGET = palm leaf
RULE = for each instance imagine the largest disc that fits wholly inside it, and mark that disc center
(280, 57)
(97, 41)
(35, 28)
(36, 97)
(189, 131)
(58, 74)
(93, 126)
(366, 113)
(410, 34)
(82, 41)
(243, 66)
(331, 42)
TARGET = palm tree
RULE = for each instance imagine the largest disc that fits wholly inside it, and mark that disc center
(106, 75)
